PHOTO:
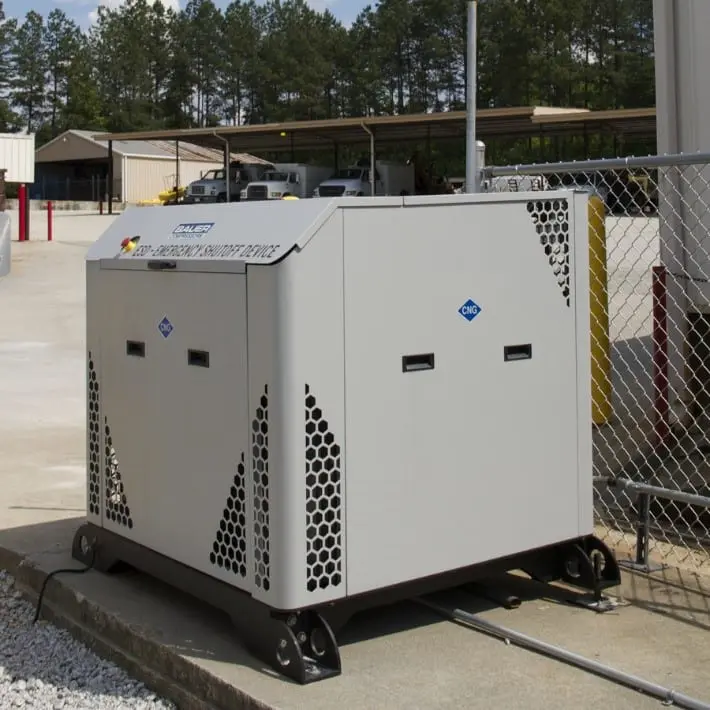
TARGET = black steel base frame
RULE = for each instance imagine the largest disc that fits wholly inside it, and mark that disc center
(301, 644)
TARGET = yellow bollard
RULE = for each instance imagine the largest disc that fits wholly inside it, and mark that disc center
(599, 314)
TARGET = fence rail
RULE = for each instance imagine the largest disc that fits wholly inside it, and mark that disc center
(647, 162)
(93, 189)
(651, 467)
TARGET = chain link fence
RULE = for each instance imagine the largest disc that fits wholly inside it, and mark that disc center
(94, 189)
(650, 326)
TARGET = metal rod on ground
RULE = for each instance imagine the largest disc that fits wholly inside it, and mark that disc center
(50, 226)
(633, 682)
(660, 357)
(471, 89)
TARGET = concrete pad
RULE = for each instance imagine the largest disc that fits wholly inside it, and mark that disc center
(42, 366)
(398, 657)
(401, 656)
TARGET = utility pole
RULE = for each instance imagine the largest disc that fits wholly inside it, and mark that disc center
(472, 176)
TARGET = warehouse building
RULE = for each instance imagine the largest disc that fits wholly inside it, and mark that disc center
(74, 166)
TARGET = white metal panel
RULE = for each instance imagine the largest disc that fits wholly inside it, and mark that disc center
(253, 232)
(477, 458)
(682, 58)
(682, 101)
(179, 431)
(296, 349)
(313, 176)
(17, 157)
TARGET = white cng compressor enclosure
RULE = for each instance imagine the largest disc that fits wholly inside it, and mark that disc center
(309, 402)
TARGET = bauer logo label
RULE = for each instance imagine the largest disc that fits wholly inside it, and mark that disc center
(192, 230)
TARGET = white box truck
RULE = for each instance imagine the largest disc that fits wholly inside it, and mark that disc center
(285, 180)
(354, 181)
(211, 187)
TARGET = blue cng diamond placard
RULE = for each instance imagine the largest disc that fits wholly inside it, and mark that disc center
(470, 310)
(165, 327)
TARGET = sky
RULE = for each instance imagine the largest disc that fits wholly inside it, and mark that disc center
(83, 10)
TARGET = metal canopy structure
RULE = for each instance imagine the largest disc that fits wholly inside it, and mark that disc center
(323, 134)
(329, 134)
(621, 122)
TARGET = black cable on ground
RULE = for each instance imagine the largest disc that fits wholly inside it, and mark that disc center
(61, 571)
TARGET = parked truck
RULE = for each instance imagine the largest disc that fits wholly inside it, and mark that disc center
(211, 187)
(390, 179)
(286, 180)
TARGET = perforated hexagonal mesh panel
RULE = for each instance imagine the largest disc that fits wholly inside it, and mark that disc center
(117, 509)
(229, 549)
(260, 480)
(323, 501)
(94, 419)
(551, 220)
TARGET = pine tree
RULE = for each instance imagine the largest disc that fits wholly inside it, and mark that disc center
(240, 40)
(204, 26)
(82, 108)
(8, 28)
(144, 66)
(29, 68)
(63, 41)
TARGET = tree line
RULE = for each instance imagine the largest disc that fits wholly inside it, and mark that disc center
(143, 66)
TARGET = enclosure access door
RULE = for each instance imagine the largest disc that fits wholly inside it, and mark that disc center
(174, 398)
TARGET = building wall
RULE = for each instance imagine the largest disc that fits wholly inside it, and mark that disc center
(70, 147)
(146, 178)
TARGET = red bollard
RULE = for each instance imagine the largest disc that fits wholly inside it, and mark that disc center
(22, 204)
(27, 215)
(49, 222)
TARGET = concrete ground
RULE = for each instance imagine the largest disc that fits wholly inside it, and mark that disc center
(399, 657)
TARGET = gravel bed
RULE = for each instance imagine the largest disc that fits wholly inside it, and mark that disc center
(42, 667)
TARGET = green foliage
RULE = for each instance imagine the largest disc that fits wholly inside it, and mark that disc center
(142, 66)
(29, 70)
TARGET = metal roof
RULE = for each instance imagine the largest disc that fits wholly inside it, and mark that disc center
(157, 149)
(313, 135)
(634, 121)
